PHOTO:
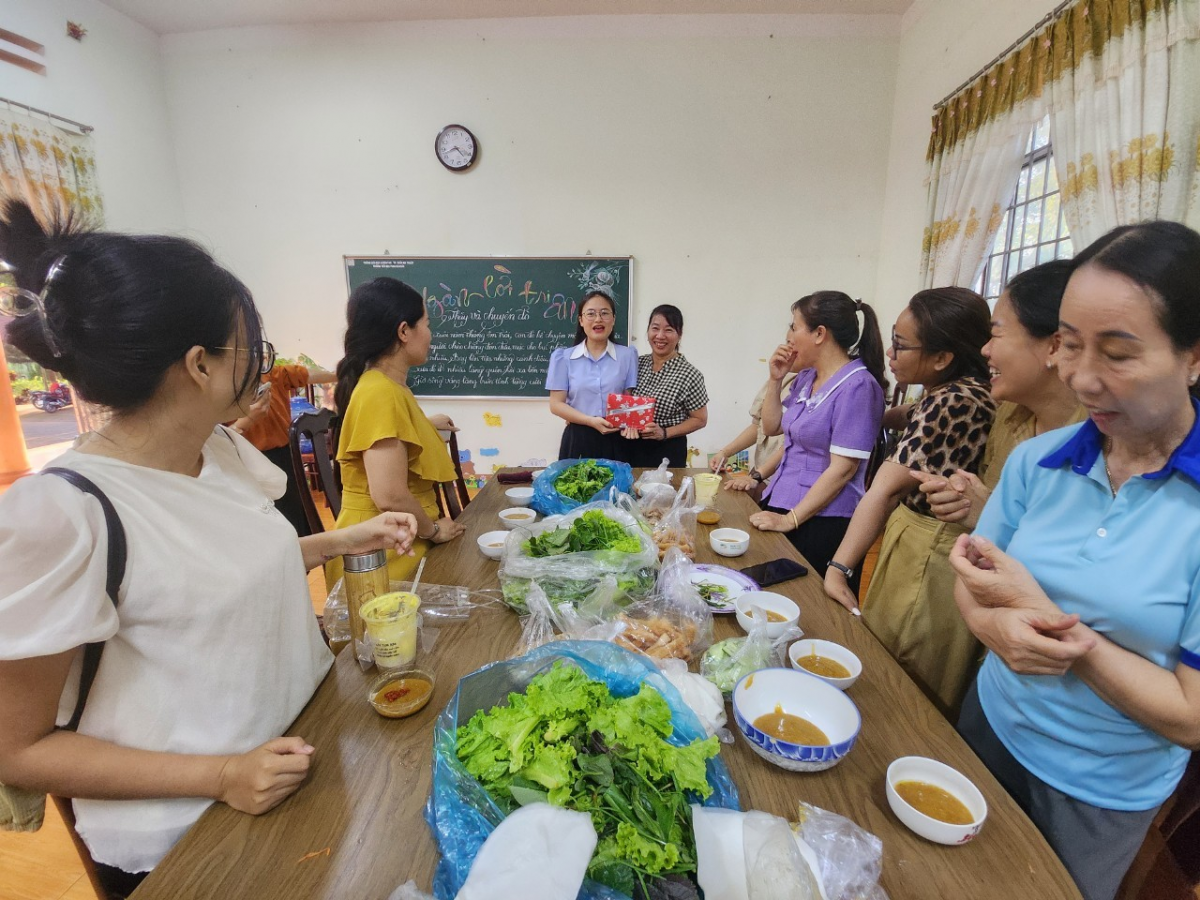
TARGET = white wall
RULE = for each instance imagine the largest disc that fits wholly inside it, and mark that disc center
(112, 80)
(942, 44)
(744, 157)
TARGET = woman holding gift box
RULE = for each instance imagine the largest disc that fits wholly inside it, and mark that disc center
(582, 376)
(681, 401)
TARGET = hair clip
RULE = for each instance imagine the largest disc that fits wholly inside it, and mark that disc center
(17, 302)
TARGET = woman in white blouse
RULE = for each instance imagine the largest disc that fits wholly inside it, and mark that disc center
(214, 649)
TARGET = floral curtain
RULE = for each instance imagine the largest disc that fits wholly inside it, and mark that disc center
(1121, 82)
(1124, 101)
(51, 168)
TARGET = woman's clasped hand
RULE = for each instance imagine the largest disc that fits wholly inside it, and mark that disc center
(1008, 610)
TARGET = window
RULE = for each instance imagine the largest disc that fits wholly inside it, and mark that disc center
(1033, 230)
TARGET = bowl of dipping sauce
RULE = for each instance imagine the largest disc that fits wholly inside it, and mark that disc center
(519, 496)
(712, 516)
(937, 802)
(398, 694)
(830, 662)
(778, 609)
(795, 720)
(516, 516)
(728, 541)
(491, 544)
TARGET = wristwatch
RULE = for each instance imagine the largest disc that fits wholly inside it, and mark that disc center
(437, 526)
(757, 476)
(845, 570)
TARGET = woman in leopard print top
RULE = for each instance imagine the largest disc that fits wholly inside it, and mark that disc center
(910, 607)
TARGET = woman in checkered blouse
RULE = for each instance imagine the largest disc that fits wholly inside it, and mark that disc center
(681, 401)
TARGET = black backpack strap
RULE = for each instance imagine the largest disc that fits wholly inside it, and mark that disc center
(117, 555)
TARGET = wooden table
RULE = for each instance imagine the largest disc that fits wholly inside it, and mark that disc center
(361, 810)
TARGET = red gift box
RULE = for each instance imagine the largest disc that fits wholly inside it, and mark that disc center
(630, 410)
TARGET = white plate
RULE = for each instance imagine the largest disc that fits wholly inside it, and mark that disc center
(733, 582)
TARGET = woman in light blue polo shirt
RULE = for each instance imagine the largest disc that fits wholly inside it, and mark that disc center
(1083, 576)
(582, 376)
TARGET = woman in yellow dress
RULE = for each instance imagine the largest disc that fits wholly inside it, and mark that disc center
(390, 452)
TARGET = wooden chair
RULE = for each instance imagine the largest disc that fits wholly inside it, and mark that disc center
(452, 496)
(318, 427)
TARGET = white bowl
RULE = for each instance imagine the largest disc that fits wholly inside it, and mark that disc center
(491, 544)
(798, 694)
(829, 650)
(517, 516)
(519, 496)
(918, 768)
(769, 601)
(729, 541)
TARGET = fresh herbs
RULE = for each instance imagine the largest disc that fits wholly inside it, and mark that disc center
(591, 531)
(715, 595)
(583, 480)
(567, 741)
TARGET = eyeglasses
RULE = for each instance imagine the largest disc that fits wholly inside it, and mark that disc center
(268, 355)
(897, 347)
(592, 315)
(17, 302)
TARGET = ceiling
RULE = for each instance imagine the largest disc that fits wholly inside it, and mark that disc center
(175, 16)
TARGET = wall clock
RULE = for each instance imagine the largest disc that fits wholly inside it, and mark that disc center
(456, 148)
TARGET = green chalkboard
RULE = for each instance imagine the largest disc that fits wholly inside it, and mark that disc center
(496, 320)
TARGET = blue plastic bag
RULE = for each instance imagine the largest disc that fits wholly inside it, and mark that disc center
(549, 502)
(462, 814)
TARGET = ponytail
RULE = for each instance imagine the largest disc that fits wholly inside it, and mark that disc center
(870, 345)
(374, 314)
(838, 313)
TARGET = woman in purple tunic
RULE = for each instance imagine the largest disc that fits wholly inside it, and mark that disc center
(830, 422)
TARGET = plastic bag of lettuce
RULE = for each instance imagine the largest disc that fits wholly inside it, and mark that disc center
(585, 725)
(571, 556)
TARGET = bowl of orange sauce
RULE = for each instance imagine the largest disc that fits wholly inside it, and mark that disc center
(398, 694)
(795, 720)
(830, 662)
(937, 802)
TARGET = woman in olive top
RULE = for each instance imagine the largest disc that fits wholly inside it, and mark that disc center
(390, 452)
(681, 401)
(581, 377)
(1025, 382)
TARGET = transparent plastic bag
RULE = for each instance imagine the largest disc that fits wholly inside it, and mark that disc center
(460, 812)
(677, 527)
(727, 662)
(537, 626)
(549, 502)
(851, 858)
(757, 856)
(661, 475)
(572, 577)
(700, 695)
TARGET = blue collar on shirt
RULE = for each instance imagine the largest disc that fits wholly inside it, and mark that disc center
(1083, 448)
(580, 349)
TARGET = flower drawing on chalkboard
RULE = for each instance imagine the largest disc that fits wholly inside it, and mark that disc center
(595, 277)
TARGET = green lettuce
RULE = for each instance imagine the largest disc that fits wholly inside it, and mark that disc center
(567, 741)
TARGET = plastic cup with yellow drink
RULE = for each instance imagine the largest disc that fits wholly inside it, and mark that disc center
(706, 488)
(391, 622)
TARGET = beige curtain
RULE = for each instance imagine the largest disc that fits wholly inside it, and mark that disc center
(51, 168)
(975, 156)
(1124, 100)
(54, 170)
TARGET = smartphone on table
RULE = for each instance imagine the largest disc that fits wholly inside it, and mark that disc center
(775, 571)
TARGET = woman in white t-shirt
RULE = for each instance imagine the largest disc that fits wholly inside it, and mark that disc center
(214, 649)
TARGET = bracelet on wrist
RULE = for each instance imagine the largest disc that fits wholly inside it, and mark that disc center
(845, 570)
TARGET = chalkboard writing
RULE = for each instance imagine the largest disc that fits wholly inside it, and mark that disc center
(496, 320)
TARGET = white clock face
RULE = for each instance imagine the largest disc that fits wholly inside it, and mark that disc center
(455, 147)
